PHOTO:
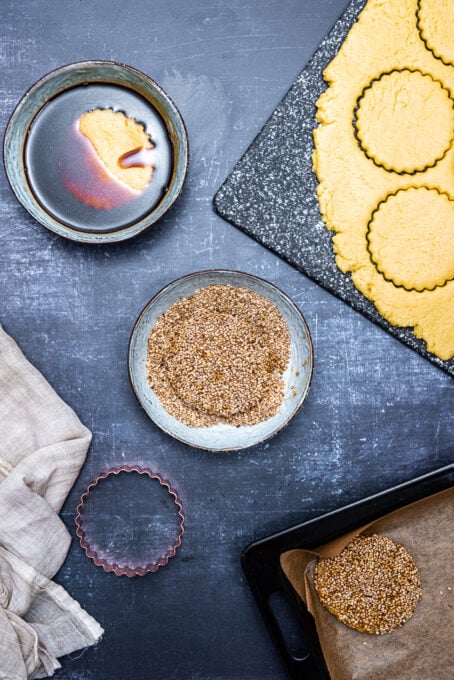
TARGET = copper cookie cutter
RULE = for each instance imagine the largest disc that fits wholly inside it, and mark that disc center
(112, 566)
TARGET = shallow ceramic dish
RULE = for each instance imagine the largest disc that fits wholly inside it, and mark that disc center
(68, 78)
(223, 437)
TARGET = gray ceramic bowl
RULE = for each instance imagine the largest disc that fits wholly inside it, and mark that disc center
(71, 76)
(223, 437)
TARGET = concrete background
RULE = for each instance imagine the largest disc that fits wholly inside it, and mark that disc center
(377, 413)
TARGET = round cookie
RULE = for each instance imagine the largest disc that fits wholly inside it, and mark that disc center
(435, 19)
(411, 238)
(372, 586)
(395, 121)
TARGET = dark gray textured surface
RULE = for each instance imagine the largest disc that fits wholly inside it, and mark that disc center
(377, 413)
(271, 193)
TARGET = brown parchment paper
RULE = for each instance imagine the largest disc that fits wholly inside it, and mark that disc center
(423, 648)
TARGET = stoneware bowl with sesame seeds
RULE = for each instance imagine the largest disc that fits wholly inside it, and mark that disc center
(223, 437)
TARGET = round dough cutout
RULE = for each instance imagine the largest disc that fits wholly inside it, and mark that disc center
(405, 121)
(435, 21)
(112, 134)
(411, 238)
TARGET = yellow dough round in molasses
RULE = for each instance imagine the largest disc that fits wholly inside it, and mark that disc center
(435, 22)
(112, 134)
(395, 121)
(411, 238)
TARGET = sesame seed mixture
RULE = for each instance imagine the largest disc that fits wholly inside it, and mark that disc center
(218, 356)
(372, 586)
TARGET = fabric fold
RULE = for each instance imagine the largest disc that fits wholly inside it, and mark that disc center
(42, 448)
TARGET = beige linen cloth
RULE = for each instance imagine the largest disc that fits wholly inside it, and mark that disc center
(42, 447)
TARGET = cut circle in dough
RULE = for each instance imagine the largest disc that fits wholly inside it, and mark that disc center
(411, 238)
(398, 110)
(435, 19)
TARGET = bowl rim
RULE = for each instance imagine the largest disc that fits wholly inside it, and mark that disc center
(91, 237)
(196, 274)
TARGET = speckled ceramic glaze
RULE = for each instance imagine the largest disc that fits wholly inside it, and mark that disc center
(223, 437)
(58, 82)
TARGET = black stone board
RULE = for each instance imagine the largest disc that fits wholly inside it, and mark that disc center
(271, 192)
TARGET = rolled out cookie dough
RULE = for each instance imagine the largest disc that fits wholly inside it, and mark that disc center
(352, 186)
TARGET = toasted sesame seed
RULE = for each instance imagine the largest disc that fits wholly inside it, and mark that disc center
(219, 356)
(372, 586)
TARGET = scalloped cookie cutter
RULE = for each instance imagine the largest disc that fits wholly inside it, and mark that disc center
(112, 566)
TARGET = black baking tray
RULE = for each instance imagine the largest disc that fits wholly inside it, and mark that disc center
(271, 192)
(261, 563)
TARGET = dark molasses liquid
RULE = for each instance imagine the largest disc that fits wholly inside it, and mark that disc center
(66, 175)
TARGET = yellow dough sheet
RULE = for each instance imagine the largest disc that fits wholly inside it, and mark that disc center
(384, 158)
